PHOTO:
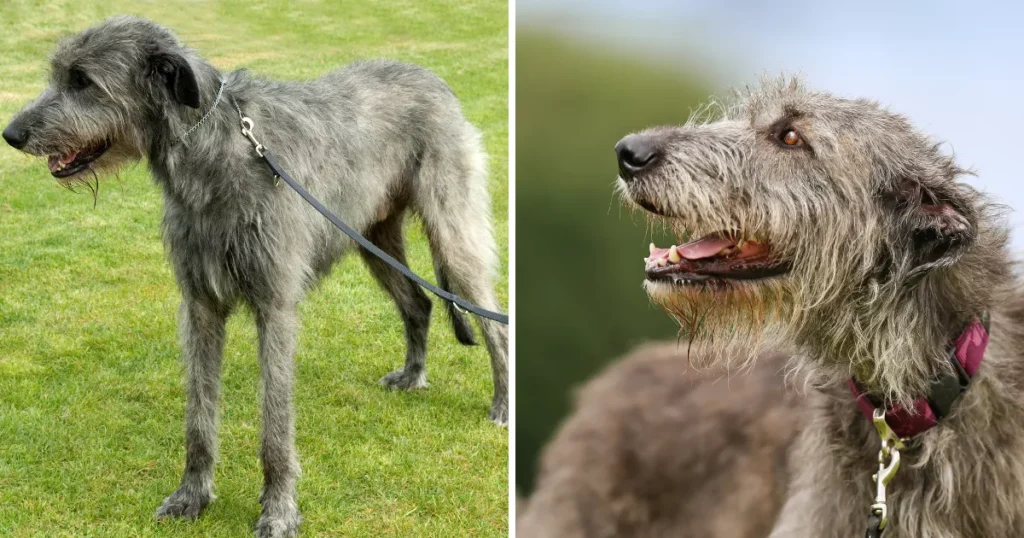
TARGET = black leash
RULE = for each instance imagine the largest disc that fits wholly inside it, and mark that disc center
(459, 302)
(875, 527)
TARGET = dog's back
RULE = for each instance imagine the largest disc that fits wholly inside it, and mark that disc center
(658, 449)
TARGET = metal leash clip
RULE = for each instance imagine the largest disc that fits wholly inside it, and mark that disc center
(888, 464)
(247, 125)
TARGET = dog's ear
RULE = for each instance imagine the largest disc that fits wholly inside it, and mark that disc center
(938, 223)
(178, 78)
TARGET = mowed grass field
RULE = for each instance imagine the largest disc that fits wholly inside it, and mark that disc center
(91, 388)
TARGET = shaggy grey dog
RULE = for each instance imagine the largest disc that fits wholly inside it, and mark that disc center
(656, 449)
(374, 141)
(834, 228)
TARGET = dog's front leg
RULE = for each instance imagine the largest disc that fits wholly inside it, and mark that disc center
(202, 337)
(278, 327)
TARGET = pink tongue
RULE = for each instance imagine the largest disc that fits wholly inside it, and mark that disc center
(704, 247)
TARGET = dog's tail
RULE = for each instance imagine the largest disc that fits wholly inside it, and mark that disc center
(463, 330)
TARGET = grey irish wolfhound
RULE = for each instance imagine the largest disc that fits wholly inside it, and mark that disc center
(374, 141)
(833, 228)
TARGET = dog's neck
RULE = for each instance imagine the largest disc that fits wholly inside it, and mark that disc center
(174, 160)
(965, 354)
(178, 118)
(895, 345)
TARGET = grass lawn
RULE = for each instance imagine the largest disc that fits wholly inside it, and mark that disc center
(91, 389)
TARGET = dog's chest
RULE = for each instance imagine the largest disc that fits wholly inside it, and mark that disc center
(216, 253)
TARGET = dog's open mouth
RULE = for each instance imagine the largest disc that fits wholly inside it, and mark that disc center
(713, 259)
(69, 164)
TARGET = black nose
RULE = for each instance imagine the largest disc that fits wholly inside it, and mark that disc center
(635, 152)
(15, 136)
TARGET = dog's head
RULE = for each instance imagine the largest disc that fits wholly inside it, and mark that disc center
(107, 85)
(802, 217)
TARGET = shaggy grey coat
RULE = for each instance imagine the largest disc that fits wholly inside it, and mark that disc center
(373, 141)
(890, 254)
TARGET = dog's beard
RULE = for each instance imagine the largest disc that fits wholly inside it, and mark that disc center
(87, 179)
(115, 159)
(730, 325)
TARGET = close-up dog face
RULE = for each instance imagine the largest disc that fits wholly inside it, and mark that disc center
(741, 193)
(84, 122)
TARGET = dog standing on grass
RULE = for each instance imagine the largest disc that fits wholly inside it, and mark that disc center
(833, 228)
(374, 141)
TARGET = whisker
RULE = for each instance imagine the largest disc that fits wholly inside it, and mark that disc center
(96, 191)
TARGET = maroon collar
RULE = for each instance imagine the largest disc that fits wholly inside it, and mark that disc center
(965, 354)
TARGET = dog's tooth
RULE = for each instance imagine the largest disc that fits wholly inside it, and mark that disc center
(662, 262)
(673, 255)
(652, 248)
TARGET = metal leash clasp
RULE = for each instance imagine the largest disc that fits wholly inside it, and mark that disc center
(888, 464)
(247, 125)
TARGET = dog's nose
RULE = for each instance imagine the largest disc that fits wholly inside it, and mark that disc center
(635, 152)
(15, 136)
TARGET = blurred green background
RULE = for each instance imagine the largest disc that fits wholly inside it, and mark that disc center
(579, 301)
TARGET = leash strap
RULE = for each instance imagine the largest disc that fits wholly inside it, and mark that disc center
(268, 158)
(874, 527)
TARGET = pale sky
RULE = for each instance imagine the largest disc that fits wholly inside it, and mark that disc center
(955, 68)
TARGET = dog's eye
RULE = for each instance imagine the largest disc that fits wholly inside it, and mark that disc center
(790, 137)
(78, 80)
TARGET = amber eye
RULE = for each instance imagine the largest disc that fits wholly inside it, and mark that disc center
(791, 138)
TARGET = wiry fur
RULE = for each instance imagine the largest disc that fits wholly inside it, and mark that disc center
(374, 141)
(892, 255)
(860, 298)
(657, 449)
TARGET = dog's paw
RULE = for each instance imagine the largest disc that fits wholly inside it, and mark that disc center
(499, 412)
(184, 503)
(281, 521)
(403, 380)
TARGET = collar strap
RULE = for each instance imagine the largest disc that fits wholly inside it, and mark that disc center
(965, 354)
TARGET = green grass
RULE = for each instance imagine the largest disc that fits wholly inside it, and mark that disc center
(91, 392)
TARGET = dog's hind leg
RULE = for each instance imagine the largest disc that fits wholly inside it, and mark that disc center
(277, 324)
(202, 335)
(460, 323)
(413, 304)
(453, 200)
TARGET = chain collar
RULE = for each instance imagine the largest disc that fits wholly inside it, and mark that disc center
(213, 107)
